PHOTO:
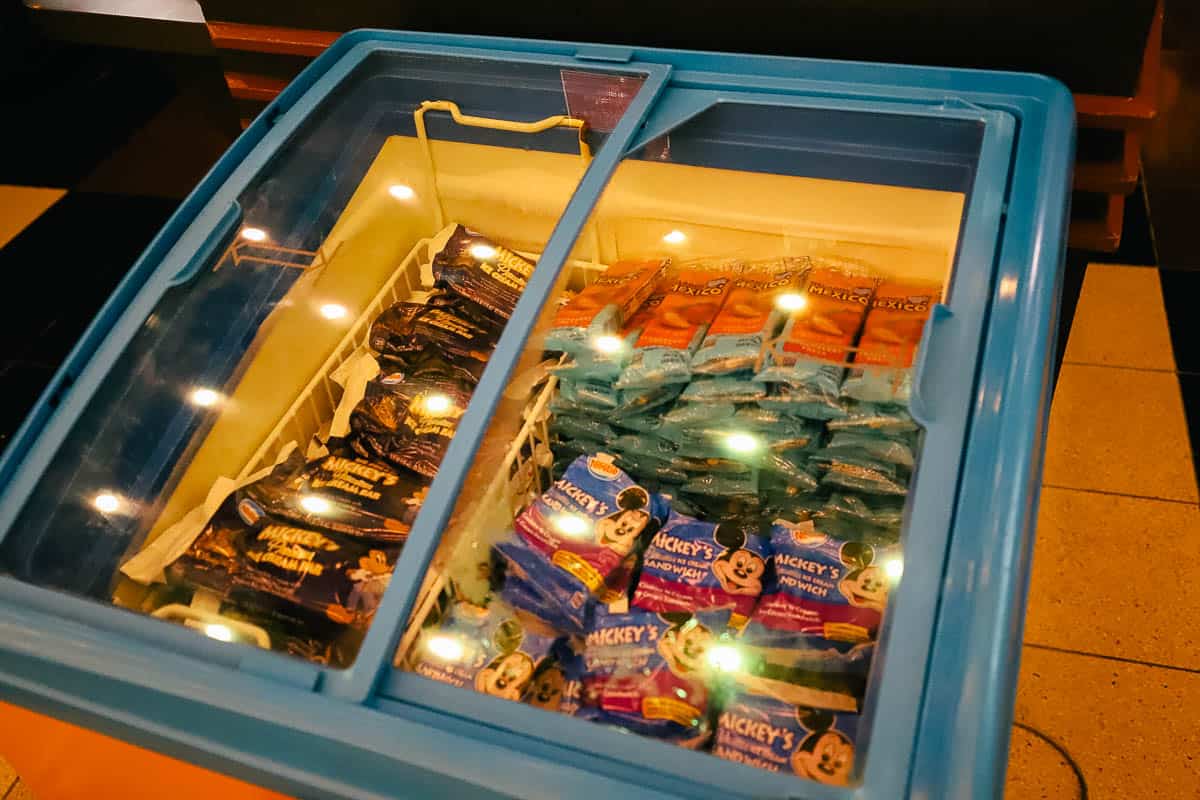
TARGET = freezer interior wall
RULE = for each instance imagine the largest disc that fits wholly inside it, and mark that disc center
(515, 196)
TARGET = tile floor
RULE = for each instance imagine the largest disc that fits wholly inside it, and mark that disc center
(1110, 674)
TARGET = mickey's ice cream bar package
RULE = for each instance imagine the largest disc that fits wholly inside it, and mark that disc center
(489, 276)
(243, 548)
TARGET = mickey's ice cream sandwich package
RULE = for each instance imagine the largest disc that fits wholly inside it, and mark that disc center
(778, 736)
(569, 542)
(693, 565)
(649, 672)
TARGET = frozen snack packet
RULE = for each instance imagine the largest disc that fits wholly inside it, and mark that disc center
(699, 415)
(693, 565)
(895, 449)
(882, 364)
(603, 308)
(753, 311)
(648, 673)
(570, 661)
(642, 401)
(489, 276)
(606, 357)
(242, 549)
(811, 402)
(811, 354)
(406, 334)
(663, 350)
(778, 736)
(824, 587)
(861, 473)
(488, 649)
(409, 421)
(724, 389)
(342, 492)
(875, 418)
(569, 541)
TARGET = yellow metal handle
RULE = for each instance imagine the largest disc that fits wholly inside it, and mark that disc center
(538, 126)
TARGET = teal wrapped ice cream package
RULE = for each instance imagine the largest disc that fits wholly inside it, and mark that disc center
(488, 649)
(876, 418)
(724, 389)
(663, 351)
(778, 736)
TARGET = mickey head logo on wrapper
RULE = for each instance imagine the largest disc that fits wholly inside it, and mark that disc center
(618, 532)
(739, 570)
(685, 644)
(509, 673)
(865, 585)
(825, 755)
(545, 691)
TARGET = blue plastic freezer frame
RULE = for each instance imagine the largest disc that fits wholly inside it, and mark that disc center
(72, 666)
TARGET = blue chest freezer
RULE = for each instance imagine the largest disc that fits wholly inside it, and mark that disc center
(319, 501)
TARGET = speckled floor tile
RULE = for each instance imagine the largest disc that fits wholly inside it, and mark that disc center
(1119, 430)
(1120, 320)
(1038, 771)
(1133, 560)
(1130, 728)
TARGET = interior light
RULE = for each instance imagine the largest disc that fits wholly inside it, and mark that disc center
(607, 344)
(219, 632)
(438, 404)
(446, 648)
(791, 302)
(401, 192)
(314, 505)
(106, 503)
(254, 234)
(205, 397)
(571, 524)
(724, 657)
(675, 237)
(894, 568)
(333, 311)
(483, 251)
(741, 442)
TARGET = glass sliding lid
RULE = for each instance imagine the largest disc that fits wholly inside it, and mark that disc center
(259, 428)
(713, 494)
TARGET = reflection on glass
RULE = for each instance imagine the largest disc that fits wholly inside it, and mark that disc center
(333, 311)
(401, 191)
